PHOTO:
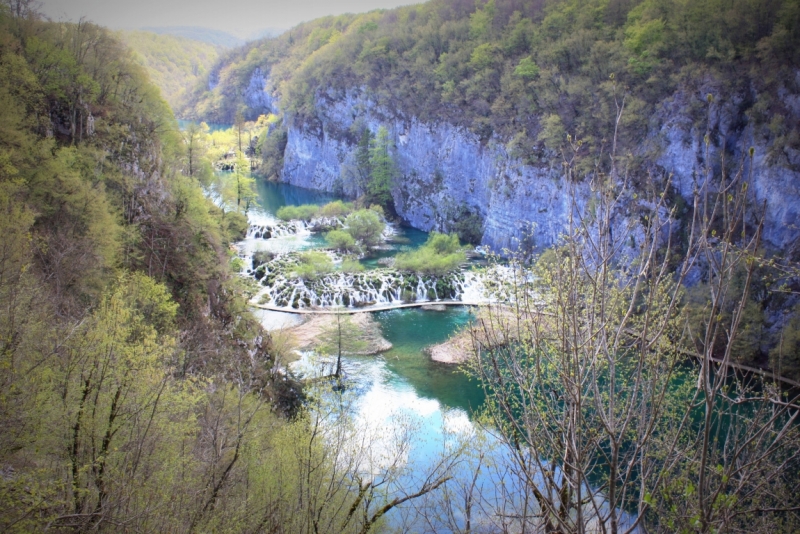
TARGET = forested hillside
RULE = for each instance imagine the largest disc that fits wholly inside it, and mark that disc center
(137, 391)
(131, 375)
(527, 72)
(641, 380)
(175, 64)
(492, 110)
(217, 38)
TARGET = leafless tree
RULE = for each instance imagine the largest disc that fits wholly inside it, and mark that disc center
(618, 413)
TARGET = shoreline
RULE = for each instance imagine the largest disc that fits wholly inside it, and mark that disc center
(367, 309)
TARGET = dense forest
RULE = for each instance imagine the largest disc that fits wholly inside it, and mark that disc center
(132, 375)
(216, 38)
(139, 394)
(175, 64)
(528, 72)
(553, 83)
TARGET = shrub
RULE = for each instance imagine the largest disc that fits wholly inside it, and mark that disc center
(468, 226)
(340, 240)
(237, 225)
(336, 208)
(306, 212)
(365, 226)
(351, 265)
(439, 255)
(313, 264)
(443, 243)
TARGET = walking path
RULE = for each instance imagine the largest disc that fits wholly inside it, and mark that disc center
(382, 307)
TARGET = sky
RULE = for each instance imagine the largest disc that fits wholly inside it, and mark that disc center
(241, 18)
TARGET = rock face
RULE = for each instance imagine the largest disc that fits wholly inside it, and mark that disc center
(258, 94)
(774, 173)
(445, 171)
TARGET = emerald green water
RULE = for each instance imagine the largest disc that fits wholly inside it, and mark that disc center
(212, 126)
(272, 196)
(412, 330)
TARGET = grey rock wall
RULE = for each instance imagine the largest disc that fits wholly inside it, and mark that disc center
(444, 170)
(773, 174)
(258, 95)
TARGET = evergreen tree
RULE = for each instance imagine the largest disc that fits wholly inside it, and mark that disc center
(363, 164)
(382, 170)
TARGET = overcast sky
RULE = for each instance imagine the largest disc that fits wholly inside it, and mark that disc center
(238, 17)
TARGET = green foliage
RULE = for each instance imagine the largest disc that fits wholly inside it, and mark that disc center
(553, 134)
(272, 151)
(468, 225)
(313, 264)
(483, 56)
(645, 41)
(196, 143)
(377, 208)
(337, 208)
(306, 212)
(365, 226)
(352, 266)
(245, 183)
(175, 64)
(121, 322)
(504, 68)
(340, 240)
(785, 355)
(526, 69)
(382, 170)
(363, 161)
(440, 254)
(480, 22)
(443, 243)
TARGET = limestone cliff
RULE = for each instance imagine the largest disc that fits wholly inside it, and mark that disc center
(446, 171)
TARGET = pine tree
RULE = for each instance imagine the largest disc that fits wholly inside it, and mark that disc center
(379, 188)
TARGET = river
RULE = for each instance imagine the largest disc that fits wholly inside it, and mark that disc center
(402, 383)
(402, 391)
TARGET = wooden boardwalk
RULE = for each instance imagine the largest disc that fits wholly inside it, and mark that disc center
(366, 309)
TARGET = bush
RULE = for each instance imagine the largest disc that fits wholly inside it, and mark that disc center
(340, 240)
(336, 208)
(306, 212)
(365, 226)
(313, 264)
(443, 243)
(439, 255)
(350, 265)
(237, 225)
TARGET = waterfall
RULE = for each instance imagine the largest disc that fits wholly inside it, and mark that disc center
(281, 288)
(378, 287)
(269, 231)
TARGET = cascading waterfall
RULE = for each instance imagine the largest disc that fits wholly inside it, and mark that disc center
(376, 287)
(296, 227)
(268, 231)
(283, 288)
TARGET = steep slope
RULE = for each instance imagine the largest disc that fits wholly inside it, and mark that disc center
(485, 102)
(175, 64)
(216, 38)
(119, 308)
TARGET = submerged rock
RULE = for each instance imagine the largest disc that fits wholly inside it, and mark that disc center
(307, 336)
